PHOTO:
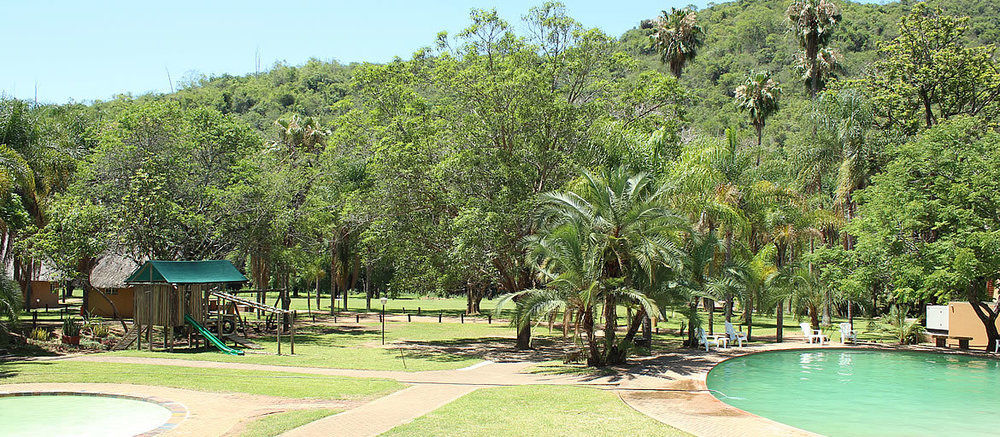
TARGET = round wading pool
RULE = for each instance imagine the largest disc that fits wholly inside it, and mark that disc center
(843, 392)
(83, 414)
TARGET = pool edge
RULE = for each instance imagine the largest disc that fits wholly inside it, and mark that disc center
(178, 412)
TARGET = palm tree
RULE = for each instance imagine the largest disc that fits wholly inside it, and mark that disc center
(301, 133)
(702, 269)
(827, 64)
(10, 304)
(677, 37)
(812, 21)
(603, 242)
(33, 168)
(789, 227)
(758, 97)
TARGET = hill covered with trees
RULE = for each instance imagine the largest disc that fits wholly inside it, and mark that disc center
(738, 153)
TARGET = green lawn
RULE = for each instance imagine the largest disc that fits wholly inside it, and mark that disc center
(536, 410)
(359, 347)
(408, 304)
(276, 424)
(285, 384)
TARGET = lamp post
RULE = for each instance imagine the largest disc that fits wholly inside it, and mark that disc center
(384, 300)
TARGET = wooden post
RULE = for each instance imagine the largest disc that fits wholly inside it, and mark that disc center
(149, 321)
(218, 312)
(170, 321)
(280, 322)
(291, 333)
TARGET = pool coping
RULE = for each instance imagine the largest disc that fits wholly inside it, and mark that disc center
(178, 412)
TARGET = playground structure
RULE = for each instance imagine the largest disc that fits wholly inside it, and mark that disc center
(176, 295)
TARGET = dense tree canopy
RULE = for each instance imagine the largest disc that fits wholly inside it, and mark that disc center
(560, 166)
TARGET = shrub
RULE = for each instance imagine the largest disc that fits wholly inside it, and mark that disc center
(39, 334)
(97, 327)
(911, 333)
(99, 331)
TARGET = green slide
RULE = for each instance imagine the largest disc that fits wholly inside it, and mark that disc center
(208, 335)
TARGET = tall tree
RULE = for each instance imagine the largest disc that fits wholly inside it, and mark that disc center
(931, 215)
(929, 73)
(758, 96)
(812, 22)
(618, 232)
(677, 37)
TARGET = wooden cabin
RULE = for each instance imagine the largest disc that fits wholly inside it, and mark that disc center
(108, 295)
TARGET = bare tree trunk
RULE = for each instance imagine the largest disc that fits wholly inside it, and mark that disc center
(780, 320)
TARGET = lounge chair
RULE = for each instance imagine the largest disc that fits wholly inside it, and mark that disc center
(813, 334)
(734, 335)
(846, 333)
(716, 340)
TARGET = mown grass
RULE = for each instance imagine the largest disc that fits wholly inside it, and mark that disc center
(359, 347)
(284, 384)
(276, 424)
(533, 411)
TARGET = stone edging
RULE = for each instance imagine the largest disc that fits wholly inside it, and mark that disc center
(177, 410)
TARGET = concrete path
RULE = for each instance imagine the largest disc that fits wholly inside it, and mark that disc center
(383, 414)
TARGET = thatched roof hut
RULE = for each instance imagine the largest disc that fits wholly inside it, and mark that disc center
(111, 271)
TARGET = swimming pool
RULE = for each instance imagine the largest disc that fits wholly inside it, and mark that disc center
(843, 392)
(78, 414)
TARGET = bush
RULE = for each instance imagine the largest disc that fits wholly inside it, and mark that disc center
(97, 327)
(911, 333)
(39, 334)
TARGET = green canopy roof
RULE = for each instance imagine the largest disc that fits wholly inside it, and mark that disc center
(187, 272)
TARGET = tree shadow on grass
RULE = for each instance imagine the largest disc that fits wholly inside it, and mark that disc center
(7, 371)
(496, 349)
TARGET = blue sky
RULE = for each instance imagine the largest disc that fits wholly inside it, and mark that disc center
(86, 50)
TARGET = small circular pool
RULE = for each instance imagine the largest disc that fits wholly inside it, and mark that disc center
(842, 392)
(78, 414)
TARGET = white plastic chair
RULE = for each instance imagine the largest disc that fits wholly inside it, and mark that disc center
(734, 335)
(846, 333)
(715, 340)
(813, 334)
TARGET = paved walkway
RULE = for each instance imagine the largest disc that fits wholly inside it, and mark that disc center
(385, 413)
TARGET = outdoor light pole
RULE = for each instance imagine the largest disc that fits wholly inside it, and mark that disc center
(384, 300)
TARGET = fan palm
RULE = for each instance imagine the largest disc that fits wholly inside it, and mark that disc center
(299, 132)
(812, 22)
(758, 97)
(677, 37)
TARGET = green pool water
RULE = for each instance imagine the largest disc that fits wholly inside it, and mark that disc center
(70, 415)
(840, 392)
